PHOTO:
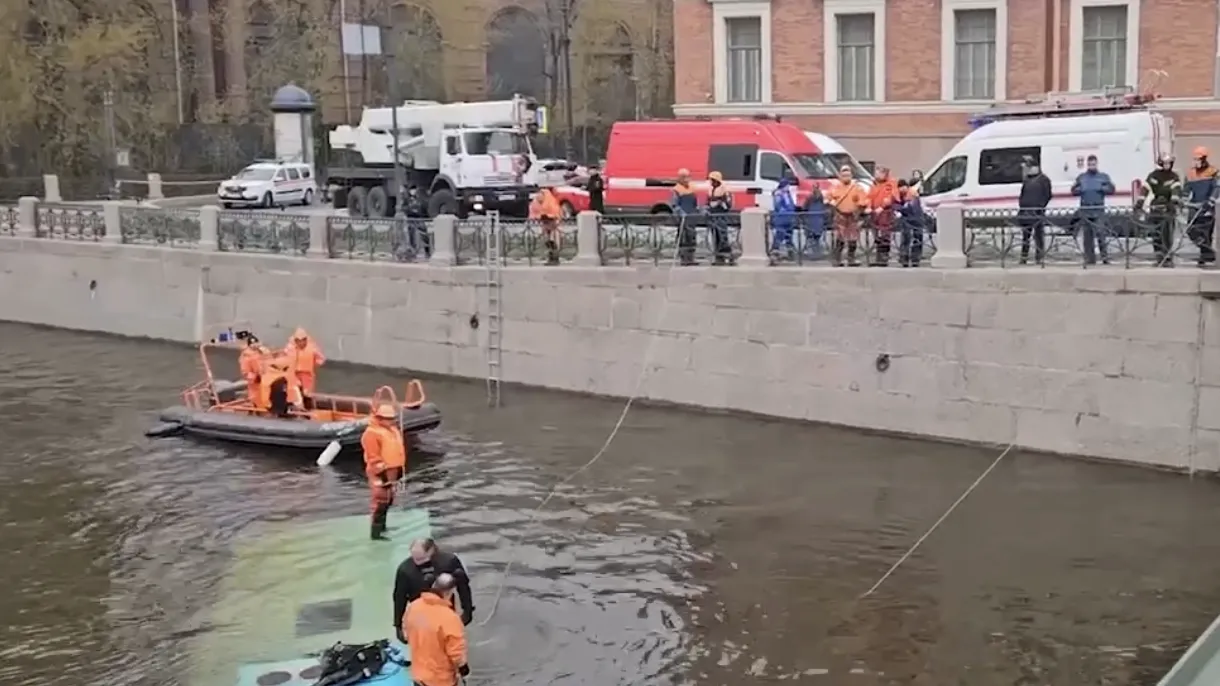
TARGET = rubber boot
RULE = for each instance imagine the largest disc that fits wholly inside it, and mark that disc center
(852, 260)
(377, 531)
(837, 253)
(552, 253)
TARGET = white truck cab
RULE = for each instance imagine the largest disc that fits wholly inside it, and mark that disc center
(1058, 132)
(461, 157)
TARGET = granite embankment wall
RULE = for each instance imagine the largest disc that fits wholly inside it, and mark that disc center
(1111, 364)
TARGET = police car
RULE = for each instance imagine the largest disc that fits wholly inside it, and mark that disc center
(269, 184)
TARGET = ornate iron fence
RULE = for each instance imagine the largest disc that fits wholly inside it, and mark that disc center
(70, 222)
(268, 232)
(400, 240)
(665, 238)
(176, 228)
(8, 220)
(524, 242)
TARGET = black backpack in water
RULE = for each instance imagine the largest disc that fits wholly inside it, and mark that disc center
(343, 665)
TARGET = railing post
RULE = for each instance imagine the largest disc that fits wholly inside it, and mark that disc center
(588, 239)
(50, 188)
(754, 238)
(950, 237)
(209, 227)
(27, 216)
(444, 230)
(319, 236)
(112, 216)
(155, 192)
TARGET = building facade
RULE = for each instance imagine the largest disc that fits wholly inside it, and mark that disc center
(897, 80)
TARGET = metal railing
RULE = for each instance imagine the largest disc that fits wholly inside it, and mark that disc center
(265, 232)
(662, 238)
(997, 237)
(69, 222)
(521, 241)
(153, 226)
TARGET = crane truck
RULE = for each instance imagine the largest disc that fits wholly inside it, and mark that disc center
(457, 158)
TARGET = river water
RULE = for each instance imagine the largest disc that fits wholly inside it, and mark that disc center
(701, 549)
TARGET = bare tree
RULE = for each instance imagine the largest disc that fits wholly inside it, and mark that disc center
(414, 60)
(287, 41)
(63, 59)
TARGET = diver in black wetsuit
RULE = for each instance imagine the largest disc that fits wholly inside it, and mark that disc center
(417, 573)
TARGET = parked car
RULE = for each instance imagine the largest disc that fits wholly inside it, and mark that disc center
(269, 184)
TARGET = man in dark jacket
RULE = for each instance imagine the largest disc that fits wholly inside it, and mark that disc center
(417, 573)
(1036, 193)
(1092, 187)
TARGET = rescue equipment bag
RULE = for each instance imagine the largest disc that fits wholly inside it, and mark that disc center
(344, 665)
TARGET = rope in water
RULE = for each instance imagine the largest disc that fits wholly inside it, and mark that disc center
(618, 425)
(986, 472)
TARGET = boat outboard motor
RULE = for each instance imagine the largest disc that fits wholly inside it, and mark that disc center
(344, 665)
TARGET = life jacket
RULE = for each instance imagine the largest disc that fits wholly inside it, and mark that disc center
(278, 377)
(383, 444)
(344, 665)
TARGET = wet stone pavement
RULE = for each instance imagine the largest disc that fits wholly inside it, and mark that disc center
(701, 550)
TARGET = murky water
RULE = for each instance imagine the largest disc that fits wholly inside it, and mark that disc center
(701, 549)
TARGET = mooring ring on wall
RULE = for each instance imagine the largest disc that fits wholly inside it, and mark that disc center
(882, 363)
(474, 321)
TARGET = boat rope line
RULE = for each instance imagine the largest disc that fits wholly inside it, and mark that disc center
(961, 499)
(618, 425)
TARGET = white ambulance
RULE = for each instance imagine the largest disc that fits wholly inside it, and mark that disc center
(1058, 132)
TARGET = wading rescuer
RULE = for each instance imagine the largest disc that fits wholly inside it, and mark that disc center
(305, 358)
(417, 573)
(436, 636)
(385, 459)
(251, 364)
(546, 210)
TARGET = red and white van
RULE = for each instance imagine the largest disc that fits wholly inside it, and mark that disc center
(644, 157)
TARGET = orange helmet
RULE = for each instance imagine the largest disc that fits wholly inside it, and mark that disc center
(1200, 152)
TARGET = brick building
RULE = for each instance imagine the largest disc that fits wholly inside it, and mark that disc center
(896, 80)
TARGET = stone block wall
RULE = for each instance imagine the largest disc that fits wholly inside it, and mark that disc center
(1118, 364)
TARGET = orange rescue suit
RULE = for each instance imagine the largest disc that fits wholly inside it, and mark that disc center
(251, 365)
(545, 206)
(304, 361)
(274, 370)
(437, 639)
(385, 459)
(881, 199)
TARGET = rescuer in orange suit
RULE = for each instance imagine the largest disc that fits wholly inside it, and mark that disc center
(546, 210)
(385, 459)
(305, 359)
(251, 364)
(882, 198)
(279, 390)
(436, 635)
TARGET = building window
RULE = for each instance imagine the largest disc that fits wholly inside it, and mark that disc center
(974, 54)
(1103, 49)
(857, 53)
(744, 58)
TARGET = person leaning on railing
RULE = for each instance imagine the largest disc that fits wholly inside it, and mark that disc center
(1092, 187)
(847, 200)
(719, 206)
(546, 210)
(912, 223)
(1161, 199)
(685, 205)
(1202, 186)
(1036, 194)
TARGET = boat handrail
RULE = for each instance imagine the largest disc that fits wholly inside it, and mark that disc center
(378, 398)
(199, 396)
(414, 396)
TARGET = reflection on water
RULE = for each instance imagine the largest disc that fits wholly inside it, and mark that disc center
(701, 549)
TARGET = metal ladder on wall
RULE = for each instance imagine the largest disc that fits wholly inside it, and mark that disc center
(494, 310)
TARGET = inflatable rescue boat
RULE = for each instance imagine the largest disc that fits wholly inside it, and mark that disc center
(220, 409)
